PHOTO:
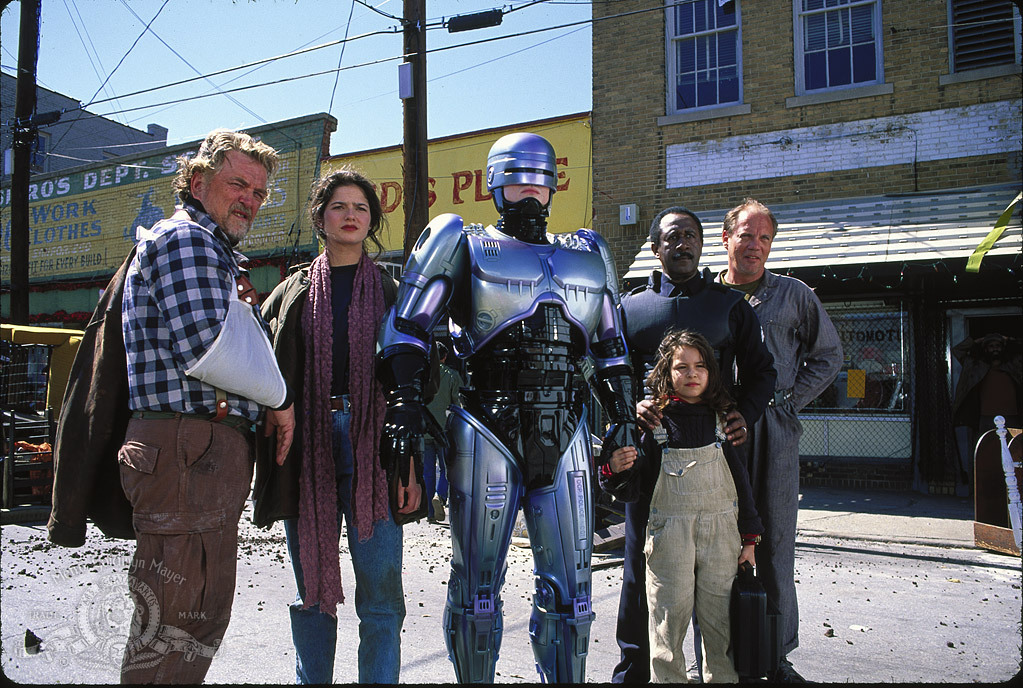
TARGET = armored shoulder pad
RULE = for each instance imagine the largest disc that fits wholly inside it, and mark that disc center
(438, 242)
(442, 226)
(597, 243)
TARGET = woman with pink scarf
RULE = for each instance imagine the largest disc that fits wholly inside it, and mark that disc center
(324, 318)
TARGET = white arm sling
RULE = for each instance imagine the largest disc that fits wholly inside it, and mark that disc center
(241, 359)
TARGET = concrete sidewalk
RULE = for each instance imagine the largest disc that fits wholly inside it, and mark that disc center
(854, 514)
(886, 516)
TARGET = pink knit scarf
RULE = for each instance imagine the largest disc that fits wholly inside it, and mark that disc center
(317, 521)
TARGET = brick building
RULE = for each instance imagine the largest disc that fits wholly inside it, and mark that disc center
(78, 138)
(886, 137)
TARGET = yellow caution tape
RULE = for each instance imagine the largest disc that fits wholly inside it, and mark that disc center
(973, 264)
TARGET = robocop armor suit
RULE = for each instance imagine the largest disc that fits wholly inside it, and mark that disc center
(525, 309)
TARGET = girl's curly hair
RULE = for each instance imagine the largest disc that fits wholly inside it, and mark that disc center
(659, 379)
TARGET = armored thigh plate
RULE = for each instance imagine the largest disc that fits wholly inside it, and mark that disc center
(485, 488)
(560, 522)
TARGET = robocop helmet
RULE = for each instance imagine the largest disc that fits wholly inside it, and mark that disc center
(520, 159)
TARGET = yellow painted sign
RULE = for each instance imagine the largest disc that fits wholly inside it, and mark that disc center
(82, 224)
(458, 182)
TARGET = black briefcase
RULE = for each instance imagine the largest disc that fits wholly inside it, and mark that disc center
(756, 626)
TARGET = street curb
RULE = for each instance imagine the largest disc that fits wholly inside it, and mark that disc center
(887, 539)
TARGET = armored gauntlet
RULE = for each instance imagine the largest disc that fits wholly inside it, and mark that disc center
(402, 373)
(615, 391)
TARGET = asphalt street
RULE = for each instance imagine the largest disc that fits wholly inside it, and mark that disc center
(878, 608)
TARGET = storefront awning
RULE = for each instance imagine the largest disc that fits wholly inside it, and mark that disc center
(899, 228)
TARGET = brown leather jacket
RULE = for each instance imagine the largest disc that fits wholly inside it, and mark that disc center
(93, 421)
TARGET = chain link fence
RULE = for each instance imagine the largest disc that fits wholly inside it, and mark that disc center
(865, 412)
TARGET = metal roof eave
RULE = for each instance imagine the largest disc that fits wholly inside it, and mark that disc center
(862, 231)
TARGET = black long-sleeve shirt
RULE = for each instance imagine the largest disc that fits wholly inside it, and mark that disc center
(716, 312)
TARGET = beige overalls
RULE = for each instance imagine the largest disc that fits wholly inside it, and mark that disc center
(692, 550)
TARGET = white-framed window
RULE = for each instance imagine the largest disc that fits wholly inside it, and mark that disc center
(838, 44)
(982, 33)
(704, 55)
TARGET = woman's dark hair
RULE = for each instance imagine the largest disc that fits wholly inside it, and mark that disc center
(323, 190)
(659, 379)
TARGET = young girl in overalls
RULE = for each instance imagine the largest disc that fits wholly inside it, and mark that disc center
(703, 521)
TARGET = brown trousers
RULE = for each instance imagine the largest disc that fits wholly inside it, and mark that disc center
(187, 480)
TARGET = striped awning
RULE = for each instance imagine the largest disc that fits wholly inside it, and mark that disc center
(862, 231)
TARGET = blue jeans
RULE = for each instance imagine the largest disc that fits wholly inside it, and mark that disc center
(379, 598)
(433, 456)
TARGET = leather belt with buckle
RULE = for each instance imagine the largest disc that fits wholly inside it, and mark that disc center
(232, 421)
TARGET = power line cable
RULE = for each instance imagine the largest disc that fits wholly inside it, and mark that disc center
(87, 45)
(119, 63)
(379, 11)
(256, 66)
(481, 41)
(125, 56)
(192, 67)
(261, 62)
(344, 42)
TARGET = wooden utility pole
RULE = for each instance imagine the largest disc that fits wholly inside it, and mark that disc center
(415, 174)
(24, 139)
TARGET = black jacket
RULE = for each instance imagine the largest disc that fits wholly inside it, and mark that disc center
(718, 313)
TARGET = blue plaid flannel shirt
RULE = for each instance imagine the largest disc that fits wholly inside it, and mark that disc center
(177, 292)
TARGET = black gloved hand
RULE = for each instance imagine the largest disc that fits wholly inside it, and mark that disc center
(402, 438)
(621, 434)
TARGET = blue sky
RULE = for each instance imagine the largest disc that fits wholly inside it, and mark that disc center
(535, 75)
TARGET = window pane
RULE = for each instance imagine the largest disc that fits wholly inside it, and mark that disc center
(815, 68)
(728, 85)
(838, 28)
(724, 19)
(684, 20)
(701, 53)
(726, 49)
(812, 5)
(702, 21)
(685, 52)
(863, 63)
(813, 33)
(839, 67)
(862, 24)
(706, 91)
(686, 93)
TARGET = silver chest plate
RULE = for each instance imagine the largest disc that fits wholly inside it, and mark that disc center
(511, 279)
